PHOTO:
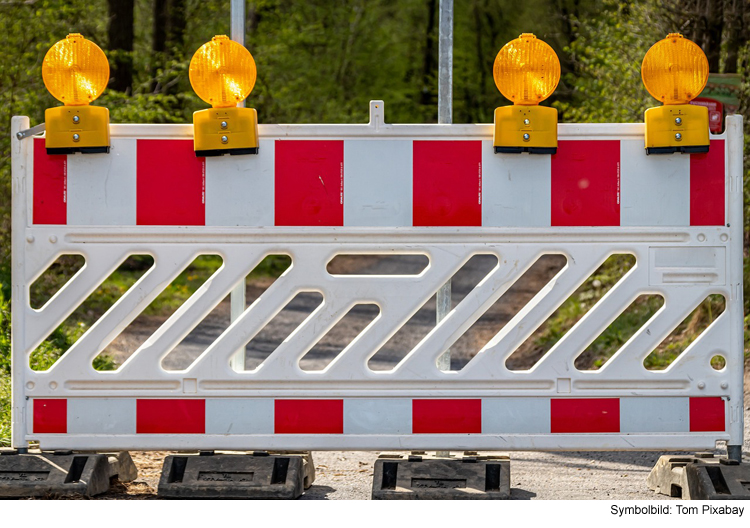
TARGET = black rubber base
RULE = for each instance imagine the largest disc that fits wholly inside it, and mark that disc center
(671, 150)
(82, 150)
(530, 150)
(221, 152)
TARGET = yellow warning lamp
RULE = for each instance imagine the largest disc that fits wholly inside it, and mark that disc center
(223, 73)
(76, 71)
(526, 71)
(675, 71)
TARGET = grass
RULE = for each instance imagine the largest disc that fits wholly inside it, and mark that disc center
(4, 410)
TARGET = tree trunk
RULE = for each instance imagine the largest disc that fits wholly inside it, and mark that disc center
(430, 59)
(176, 26)
(737, 33)
(120, 33)
(159, 43)
(714, 29)
(170, 23)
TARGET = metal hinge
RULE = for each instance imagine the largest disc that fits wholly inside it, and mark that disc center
(33, 131)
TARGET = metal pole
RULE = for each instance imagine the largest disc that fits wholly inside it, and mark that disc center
(237, 297)
(445, 117)
(445, 63)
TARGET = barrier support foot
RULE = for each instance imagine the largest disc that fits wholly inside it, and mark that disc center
(61, 473)
(419, 476)
(251, 475)
(702, 476)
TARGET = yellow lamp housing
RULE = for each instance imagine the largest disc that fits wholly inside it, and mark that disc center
(675, 71)
(526, 71)
(222, 73)
(76, 72)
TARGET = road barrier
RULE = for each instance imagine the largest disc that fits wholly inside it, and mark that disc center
(317, 191)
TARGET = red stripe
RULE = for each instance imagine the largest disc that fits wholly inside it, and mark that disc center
(170, 416)
(446, 416)
(447, 183)
(707, 414)
(707, 198)
(309, 180)
(309, 416)
(50, 186)
(50, 416)
(171, 183)
(586, 184)
(585, 415)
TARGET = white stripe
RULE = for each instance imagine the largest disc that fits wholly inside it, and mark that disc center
(378, 183)
(239, 416)
(516, 415)
(101, 416)
(655, 189)
(654, 415)
(240, 189)
(516, 189)
(377, 416)
(102, 187)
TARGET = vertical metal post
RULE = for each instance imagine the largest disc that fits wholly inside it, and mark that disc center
(237, 297)
(445, 63)
(445, 117)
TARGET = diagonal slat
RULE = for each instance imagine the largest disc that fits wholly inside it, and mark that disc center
(490, 361)
(561, 356)
(41, 323)
(214, 361)
(628, 361)
(237, 264)
(421, 362)
(79, 357)
(399, 301)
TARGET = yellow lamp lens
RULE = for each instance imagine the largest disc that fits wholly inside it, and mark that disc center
(675, 70)
(222, 72)
(75, 70)
(526, 70)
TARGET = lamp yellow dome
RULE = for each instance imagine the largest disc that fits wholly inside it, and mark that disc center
(222, 72)
(675, 70)
(75, 70)
(526, 70)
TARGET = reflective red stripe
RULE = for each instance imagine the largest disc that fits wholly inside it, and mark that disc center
(171, 183)
(309, 416)
(447, 183)
(170, 416)
(586, 183)
(707, 415)
(446, 416)
(707, 189)
(309, 183)
(50, 186)
(585, 415)
(50, 416)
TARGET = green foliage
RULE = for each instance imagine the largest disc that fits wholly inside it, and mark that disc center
(607, 54)
(4, 338)
(5, 411)
(4, 372)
